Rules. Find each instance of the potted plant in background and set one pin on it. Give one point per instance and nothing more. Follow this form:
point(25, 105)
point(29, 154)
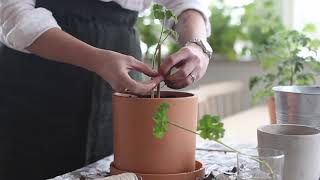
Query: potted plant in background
point(258, 23)
point(135, 149)
point(288, 58)
point(224, 34)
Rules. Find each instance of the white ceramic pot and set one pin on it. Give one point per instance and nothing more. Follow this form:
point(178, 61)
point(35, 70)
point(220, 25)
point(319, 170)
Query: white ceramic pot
point(301, 145)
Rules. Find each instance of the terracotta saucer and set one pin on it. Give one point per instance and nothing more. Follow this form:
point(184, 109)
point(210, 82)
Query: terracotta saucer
point(198, 174)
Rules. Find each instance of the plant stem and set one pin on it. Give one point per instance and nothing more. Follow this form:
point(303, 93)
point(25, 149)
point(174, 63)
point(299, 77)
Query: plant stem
point(165, 38)
point(157, 54)
point(231, 148)
point(183, 128)
point(146, 53)
point(291, 75)
point(159, 63)
point(215, 150)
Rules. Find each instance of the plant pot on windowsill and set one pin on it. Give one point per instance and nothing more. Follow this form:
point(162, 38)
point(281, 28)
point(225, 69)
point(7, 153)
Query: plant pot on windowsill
point(137, 151)
point(272, 110)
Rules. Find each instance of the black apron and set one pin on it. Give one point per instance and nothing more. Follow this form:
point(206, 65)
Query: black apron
point(55, 117)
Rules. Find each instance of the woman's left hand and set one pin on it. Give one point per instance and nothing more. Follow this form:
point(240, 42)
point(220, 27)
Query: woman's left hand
point(191, 63)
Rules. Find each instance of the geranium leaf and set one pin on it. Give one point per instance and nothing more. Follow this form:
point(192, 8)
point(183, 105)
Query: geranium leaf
point(161, 121)
point(210, 127)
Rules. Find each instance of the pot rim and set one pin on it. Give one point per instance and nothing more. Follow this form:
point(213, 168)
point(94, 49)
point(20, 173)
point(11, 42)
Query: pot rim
point(181, 96)
point(308, 90)
point(201, 168)
point(280, 154)
point(316, 130)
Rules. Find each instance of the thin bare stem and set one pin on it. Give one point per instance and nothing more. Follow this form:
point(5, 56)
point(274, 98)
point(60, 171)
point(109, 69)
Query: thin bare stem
point(159, 62)
point(165, 38)
point(156, 55)
point(183, 128)
point(231, 148)
point(215, 150)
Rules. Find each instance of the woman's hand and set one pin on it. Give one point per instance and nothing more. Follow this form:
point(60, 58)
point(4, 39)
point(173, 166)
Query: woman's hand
point(114, 68)
point(191, 63)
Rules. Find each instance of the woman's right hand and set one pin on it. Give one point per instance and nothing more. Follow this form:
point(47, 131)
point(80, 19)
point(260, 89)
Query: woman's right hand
point(114, 68)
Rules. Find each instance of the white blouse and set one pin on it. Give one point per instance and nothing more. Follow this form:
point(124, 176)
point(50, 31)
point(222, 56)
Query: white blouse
point(21, 23)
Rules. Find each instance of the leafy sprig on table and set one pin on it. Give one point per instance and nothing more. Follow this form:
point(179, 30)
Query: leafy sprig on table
point(209, 127)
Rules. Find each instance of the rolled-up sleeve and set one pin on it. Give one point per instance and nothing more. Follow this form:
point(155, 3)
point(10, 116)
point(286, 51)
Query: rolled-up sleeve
point(178, 6)
point(21, 23)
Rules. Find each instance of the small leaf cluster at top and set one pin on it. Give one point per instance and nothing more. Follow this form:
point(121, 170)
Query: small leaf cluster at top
point(161, 13)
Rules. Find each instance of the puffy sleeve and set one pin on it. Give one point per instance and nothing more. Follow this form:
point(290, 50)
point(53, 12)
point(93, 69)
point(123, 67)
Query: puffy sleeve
point(178, 6)
point(21, 23)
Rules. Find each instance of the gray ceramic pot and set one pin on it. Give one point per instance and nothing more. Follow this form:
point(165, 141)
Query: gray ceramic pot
point(301, 145)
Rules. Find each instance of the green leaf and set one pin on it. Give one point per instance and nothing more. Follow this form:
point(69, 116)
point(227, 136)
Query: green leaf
point(262, 95)
point(253, 81)
point(161, 121)
point(173, 33)
point(298, 67)
point(309, 28)
point(158, 11)
point(305, 79)
point(167, 31)
point(210, 127)
point(158, 7)
point(315, 44)
point(170, 15)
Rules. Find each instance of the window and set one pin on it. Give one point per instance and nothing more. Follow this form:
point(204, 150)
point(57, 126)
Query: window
point(297, 13)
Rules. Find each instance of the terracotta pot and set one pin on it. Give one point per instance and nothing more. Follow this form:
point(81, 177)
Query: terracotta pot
point(198, 173)
point(272, 110)
point(136, 150)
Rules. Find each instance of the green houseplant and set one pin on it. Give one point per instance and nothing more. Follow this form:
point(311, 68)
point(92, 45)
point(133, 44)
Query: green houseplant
point(223, 34)
point(150, 31)
point(135, 149)
point(287, 58)
point(258, 23)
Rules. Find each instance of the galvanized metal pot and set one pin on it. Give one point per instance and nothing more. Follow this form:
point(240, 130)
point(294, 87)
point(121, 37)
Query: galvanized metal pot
point(298, 105)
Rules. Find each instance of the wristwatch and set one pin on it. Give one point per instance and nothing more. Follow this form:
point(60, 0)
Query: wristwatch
point(204, 45)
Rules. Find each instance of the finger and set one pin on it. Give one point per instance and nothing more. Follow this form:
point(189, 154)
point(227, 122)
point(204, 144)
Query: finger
point(142, 67)
point(173, 60)
point(139, 88)
point(184, 71)
point(185, 82)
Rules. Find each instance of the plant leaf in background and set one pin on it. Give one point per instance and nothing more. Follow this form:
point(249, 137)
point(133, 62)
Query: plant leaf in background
point(161, 121)
point(223, 33)
point(309, 28)
point(288, 58)
point(258, 23)
point(210, 127)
